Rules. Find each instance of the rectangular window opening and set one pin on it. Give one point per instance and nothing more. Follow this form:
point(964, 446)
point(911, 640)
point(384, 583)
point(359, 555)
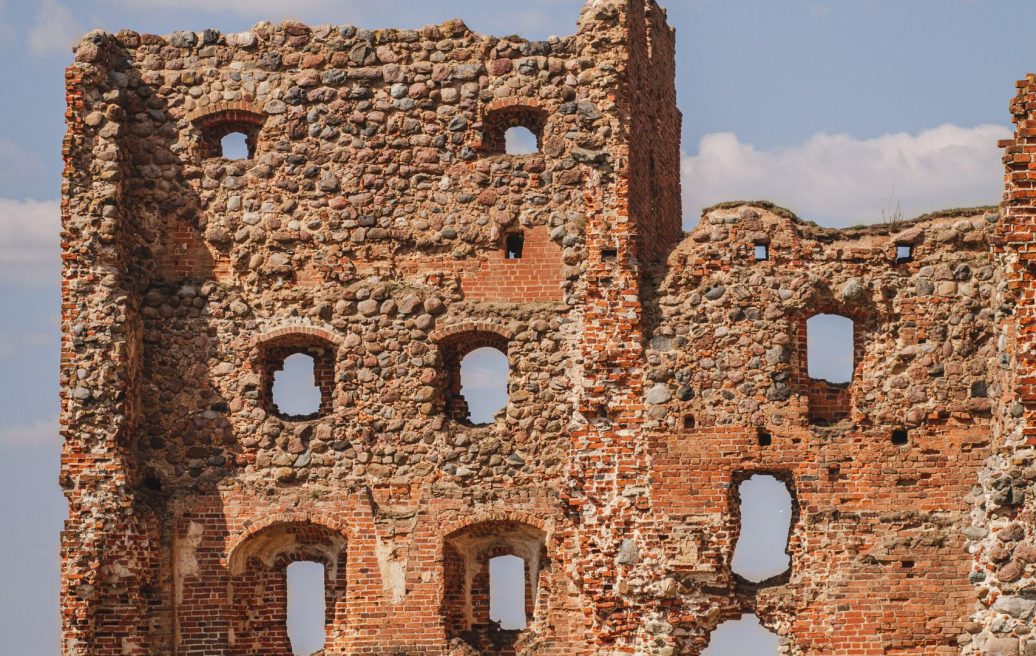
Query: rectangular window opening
point(764, 438)
point(762, 252)
point(507, 593)
point(904, 253)
point(609, 254)
point(514, 243)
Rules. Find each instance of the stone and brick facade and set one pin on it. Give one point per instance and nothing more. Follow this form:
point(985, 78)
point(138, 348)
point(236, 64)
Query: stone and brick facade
point(375, 225)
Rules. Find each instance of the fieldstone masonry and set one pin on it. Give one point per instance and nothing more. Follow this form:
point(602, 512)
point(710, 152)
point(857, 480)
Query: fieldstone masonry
point(650, 371)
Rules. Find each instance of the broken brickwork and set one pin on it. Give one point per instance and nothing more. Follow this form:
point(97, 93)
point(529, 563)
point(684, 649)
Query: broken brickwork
point(379, 225)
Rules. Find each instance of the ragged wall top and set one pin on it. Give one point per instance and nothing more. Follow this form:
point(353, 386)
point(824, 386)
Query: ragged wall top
point(377, 151)
point(728, 331)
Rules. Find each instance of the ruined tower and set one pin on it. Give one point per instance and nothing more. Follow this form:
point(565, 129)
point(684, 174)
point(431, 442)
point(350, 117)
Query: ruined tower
point(379, 226)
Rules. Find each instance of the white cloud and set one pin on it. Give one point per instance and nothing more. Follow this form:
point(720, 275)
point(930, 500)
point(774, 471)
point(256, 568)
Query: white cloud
point(837, 179)
point(42, 432)
point(29, 242)
point(55, 31)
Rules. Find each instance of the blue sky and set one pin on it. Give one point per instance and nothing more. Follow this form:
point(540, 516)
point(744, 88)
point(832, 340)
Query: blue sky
point(835, 109)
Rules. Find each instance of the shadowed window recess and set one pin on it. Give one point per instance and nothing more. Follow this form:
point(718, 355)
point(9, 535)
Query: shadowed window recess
point(514, 243)
point(476, 374)
point(297, 376)
point(515, 130)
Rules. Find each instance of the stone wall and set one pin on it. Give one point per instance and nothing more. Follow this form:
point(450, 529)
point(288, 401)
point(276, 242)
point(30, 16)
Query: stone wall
point(374, 226)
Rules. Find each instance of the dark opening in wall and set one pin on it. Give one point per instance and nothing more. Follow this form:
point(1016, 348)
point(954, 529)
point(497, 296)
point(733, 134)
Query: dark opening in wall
point(900, 437)
point(762, 252)
point(507, 592)
point(830, 344)
point(764, 504)
point(609, 254)
point(514, 243)
point(904, 253)
point(743, 637)
point(520, 140)
point(307, 624)
point(763, 437)
point(688, 422)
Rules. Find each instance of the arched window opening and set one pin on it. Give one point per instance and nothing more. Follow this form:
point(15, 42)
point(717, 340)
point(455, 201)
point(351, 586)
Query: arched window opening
point(287, 588)
point(507, 592)
point(307, 625)
point(515, 130)
point(295, 391)
point(744, 636)
point(765, 508)
point(234, 145)
point(520, 140)
point(229, 133)
point(831, 349)
point(492, 577)
point(297, 373)
point(483, 382)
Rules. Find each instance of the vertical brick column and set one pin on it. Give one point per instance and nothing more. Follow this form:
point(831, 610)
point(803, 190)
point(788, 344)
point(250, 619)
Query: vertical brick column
point(106, 545)
point(1003, 513)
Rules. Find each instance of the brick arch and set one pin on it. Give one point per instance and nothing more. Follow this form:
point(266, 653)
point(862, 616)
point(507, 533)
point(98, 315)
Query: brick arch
point(458, 330)
point(466, 549)
point(238, 111)
point(258, 563)
point(489, 516)
point(326, 526)
point(505, 113)
point(214, 122)
point(301, 331)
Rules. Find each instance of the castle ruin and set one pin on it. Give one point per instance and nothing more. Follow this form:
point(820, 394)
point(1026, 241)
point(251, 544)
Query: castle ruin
point(379, 226)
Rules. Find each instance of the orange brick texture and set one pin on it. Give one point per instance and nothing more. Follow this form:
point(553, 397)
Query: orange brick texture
point(650, 371)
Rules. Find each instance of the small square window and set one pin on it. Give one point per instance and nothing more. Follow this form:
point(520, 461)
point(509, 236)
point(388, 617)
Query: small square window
point(762, 252)
point(609, 254)
point(904, 253)
point(688, 422)
point(513, 245)
point(764, 438)
point(900, 437)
